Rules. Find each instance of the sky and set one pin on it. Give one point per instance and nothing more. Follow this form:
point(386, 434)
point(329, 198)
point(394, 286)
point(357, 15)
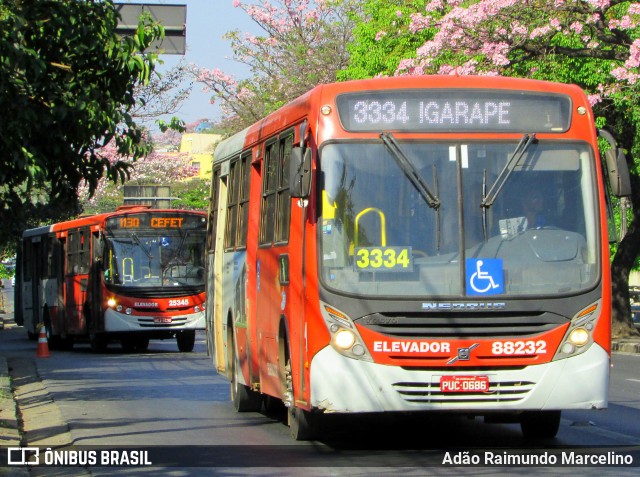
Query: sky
point(207, 22)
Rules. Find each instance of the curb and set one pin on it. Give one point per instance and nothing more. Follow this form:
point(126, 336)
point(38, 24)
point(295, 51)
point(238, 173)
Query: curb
point(9, 433)
point(623, 346)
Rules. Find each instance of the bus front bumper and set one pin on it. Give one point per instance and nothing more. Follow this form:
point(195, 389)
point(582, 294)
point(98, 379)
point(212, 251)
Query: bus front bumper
point(115, 322)
point(345, 385)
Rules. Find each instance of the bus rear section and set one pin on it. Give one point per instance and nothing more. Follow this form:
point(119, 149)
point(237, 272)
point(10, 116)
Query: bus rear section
point(447, 251)
point(129, 276)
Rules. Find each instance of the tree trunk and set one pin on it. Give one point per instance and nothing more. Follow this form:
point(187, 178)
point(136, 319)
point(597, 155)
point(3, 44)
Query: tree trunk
point(628, 250)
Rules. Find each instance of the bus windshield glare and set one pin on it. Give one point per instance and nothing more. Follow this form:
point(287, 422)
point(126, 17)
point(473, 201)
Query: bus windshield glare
point(139, 258)
point(509, 220)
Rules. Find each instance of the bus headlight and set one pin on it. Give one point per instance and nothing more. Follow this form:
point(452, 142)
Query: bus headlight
point(345, 338)
point(111, 302)
point(579, 336)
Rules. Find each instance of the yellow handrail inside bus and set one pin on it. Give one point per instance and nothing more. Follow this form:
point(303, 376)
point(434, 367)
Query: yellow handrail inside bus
point(110, 275)
point(328, 208)
point(383, 225)
point(127, 276)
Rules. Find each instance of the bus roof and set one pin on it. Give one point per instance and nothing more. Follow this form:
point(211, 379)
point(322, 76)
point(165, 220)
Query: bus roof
point(87, 221)
point(308, 104)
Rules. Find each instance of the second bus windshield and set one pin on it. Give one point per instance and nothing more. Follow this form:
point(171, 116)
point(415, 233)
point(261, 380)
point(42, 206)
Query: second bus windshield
point(382, 235)
point(148, 259)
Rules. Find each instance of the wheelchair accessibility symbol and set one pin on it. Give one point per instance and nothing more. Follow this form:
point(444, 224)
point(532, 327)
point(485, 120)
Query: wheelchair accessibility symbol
point(485, 276)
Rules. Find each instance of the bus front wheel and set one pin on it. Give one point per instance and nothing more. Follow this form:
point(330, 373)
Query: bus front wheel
point(244, 398)
point(302, 426)
point(186, 340)
point(540, 424)
point(98, 342)
point(302, 423)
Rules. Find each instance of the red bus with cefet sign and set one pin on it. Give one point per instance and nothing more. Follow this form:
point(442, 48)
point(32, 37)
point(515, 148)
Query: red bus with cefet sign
point(129, 276)
point(416, 244)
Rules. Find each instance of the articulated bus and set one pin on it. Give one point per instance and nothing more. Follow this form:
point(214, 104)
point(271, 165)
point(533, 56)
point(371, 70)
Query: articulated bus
point(131, 275)
point(416, 244)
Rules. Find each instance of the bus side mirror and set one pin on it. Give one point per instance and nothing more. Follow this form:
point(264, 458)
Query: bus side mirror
point(616, 167)
point(619, 174)
point(300, 172)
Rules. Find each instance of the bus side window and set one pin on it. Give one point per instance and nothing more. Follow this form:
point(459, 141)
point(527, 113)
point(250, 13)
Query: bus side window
point(275, 204)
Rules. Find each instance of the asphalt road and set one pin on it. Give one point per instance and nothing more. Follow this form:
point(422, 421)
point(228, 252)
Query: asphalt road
point(177, 407)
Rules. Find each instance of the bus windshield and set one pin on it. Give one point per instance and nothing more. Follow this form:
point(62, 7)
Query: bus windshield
point(507, 219)
point(147, 259)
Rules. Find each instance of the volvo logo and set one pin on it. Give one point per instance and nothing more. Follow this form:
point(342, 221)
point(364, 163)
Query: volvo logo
point(463, 306)
point(464, 354)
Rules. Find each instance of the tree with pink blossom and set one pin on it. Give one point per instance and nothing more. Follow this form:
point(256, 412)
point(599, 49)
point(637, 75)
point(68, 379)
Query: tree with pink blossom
point(592, 43)
point(157, 168)
point(302, 44)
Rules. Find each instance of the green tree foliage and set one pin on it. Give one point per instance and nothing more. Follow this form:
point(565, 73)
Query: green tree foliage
point(378, 48)
point(192, 194)
point(67, 85)
point(593, 43)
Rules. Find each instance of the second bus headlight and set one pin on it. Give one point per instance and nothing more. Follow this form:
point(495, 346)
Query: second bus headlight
point(579, 337)
point(345, 338)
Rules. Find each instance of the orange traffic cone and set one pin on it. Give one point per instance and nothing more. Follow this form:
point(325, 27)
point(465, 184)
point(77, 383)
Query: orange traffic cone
point(43, 345)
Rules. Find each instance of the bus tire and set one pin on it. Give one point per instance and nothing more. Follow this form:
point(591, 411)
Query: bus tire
point(540, 424)
point(141, 344)
point(244, 399)
point(302, 424)
point(186, 340)
point(128, 344)
point(52, 341)
point(273, 405)
point(98, 342)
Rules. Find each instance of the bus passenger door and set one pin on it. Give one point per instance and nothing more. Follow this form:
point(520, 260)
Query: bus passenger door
point(77, 279)
point(219, 317)
point(94, 320)
point(31, 285)
point(212, 228)
point(273, 291)
point(59, 263)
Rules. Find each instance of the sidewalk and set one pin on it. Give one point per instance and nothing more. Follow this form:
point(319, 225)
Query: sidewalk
point(9, 434)
point(28, 415)
point(626, 346)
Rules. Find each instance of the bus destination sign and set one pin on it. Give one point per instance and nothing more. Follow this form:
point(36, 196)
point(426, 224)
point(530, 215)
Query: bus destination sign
point(154, 221)
point(455, 110)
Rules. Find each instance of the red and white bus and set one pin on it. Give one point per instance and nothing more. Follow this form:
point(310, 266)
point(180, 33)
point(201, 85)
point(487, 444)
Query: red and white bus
point(131, 275)
point(416, 244)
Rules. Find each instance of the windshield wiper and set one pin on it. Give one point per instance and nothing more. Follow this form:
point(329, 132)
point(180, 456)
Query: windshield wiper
point(135, 238)
point(490, 197)
point(175, 257)
point(409, 170)
point(509, 167)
